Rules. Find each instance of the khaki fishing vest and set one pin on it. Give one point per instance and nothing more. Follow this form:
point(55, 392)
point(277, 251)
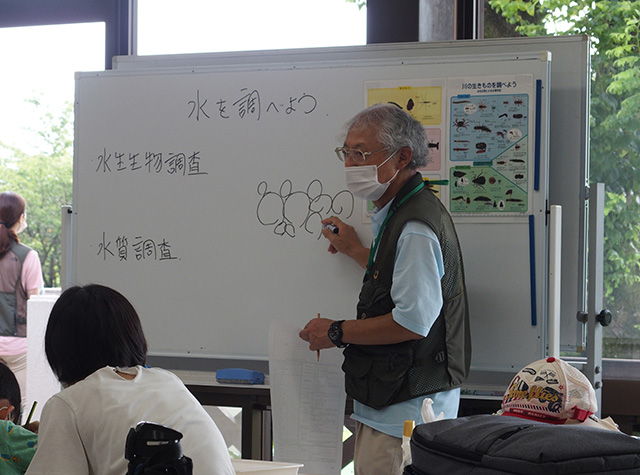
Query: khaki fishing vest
point(13, 296)
point(382, 375)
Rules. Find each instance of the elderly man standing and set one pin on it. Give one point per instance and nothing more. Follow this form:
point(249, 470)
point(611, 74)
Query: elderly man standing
point(411, 338)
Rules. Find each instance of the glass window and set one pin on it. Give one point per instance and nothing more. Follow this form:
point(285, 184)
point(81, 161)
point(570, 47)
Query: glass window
point(36, 124)
point(40, 62)
point(199, 26)
point(614, 141)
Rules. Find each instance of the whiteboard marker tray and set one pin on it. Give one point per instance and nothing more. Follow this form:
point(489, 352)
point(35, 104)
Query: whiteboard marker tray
point(259, 467)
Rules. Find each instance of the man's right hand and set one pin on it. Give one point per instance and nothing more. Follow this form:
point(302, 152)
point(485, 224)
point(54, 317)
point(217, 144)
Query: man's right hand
point(345, 241)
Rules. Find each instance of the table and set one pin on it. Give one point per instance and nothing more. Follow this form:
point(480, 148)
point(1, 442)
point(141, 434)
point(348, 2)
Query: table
point(253, 399)
point(255, 402)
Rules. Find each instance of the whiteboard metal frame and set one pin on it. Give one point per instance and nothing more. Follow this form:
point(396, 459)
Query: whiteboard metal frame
point(569, 117)
point(356, 57)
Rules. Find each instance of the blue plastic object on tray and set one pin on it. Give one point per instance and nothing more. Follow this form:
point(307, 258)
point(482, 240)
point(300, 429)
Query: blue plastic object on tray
point(239, 376)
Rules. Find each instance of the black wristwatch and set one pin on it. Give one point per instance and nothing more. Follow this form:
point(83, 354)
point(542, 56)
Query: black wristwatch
point(335, 334)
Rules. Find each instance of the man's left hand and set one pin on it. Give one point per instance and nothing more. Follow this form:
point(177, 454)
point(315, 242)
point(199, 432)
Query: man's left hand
point(315, 332)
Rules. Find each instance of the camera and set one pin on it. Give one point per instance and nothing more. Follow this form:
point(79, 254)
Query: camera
point(153, 449)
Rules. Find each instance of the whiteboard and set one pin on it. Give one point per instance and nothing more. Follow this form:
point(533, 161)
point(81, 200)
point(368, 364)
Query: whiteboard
point(568, 128)
point(198, 193)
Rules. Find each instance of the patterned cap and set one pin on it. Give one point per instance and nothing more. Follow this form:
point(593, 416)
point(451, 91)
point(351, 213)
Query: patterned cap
point(550, 390)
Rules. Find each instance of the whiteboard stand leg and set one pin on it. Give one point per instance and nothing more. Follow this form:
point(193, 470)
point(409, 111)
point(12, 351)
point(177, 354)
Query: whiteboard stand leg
point(66, 264)
point(595, 290)
point(555, 264)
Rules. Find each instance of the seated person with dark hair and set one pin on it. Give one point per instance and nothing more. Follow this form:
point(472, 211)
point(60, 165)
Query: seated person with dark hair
point(96, 347)
point(17, 444)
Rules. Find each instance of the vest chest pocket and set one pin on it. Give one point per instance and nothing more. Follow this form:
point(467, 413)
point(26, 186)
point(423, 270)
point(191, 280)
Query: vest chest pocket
point(376, 378)
point(374, 300)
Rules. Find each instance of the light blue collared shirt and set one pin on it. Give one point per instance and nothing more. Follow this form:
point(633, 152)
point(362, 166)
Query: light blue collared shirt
point(417, 296)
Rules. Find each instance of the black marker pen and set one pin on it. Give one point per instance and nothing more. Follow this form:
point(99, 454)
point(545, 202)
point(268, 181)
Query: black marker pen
point(333, 229)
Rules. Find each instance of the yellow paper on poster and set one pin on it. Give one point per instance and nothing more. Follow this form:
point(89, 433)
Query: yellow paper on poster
point(423, 103)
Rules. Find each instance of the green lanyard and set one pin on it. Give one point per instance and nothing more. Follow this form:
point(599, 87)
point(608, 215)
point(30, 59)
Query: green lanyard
point(394, 208)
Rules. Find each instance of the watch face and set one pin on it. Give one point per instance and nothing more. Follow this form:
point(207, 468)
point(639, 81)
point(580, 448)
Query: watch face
point(335, 333)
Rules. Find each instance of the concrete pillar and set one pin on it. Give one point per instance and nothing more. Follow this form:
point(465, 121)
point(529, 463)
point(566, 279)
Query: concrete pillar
point(437, 20)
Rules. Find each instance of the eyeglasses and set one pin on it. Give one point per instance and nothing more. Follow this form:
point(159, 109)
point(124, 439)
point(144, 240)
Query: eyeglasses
point(357, 156)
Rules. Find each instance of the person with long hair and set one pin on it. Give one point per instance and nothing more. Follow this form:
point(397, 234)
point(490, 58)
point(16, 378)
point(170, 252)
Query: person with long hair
point(20, 278)
point(96, 347)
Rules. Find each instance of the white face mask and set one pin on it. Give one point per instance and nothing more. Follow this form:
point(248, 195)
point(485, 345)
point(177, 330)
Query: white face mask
point(363, 181)
point(23, 224)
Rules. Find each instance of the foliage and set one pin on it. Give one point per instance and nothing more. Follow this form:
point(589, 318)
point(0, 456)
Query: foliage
point(360, 3)
point(43, 178)
point(615, 129)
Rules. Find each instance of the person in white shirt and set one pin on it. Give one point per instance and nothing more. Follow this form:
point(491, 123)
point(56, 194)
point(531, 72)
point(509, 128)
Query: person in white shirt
point(96, 347)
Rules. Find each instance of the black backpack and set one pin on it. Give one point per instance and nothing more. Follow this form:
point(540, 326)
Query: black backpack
point(490, 444)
